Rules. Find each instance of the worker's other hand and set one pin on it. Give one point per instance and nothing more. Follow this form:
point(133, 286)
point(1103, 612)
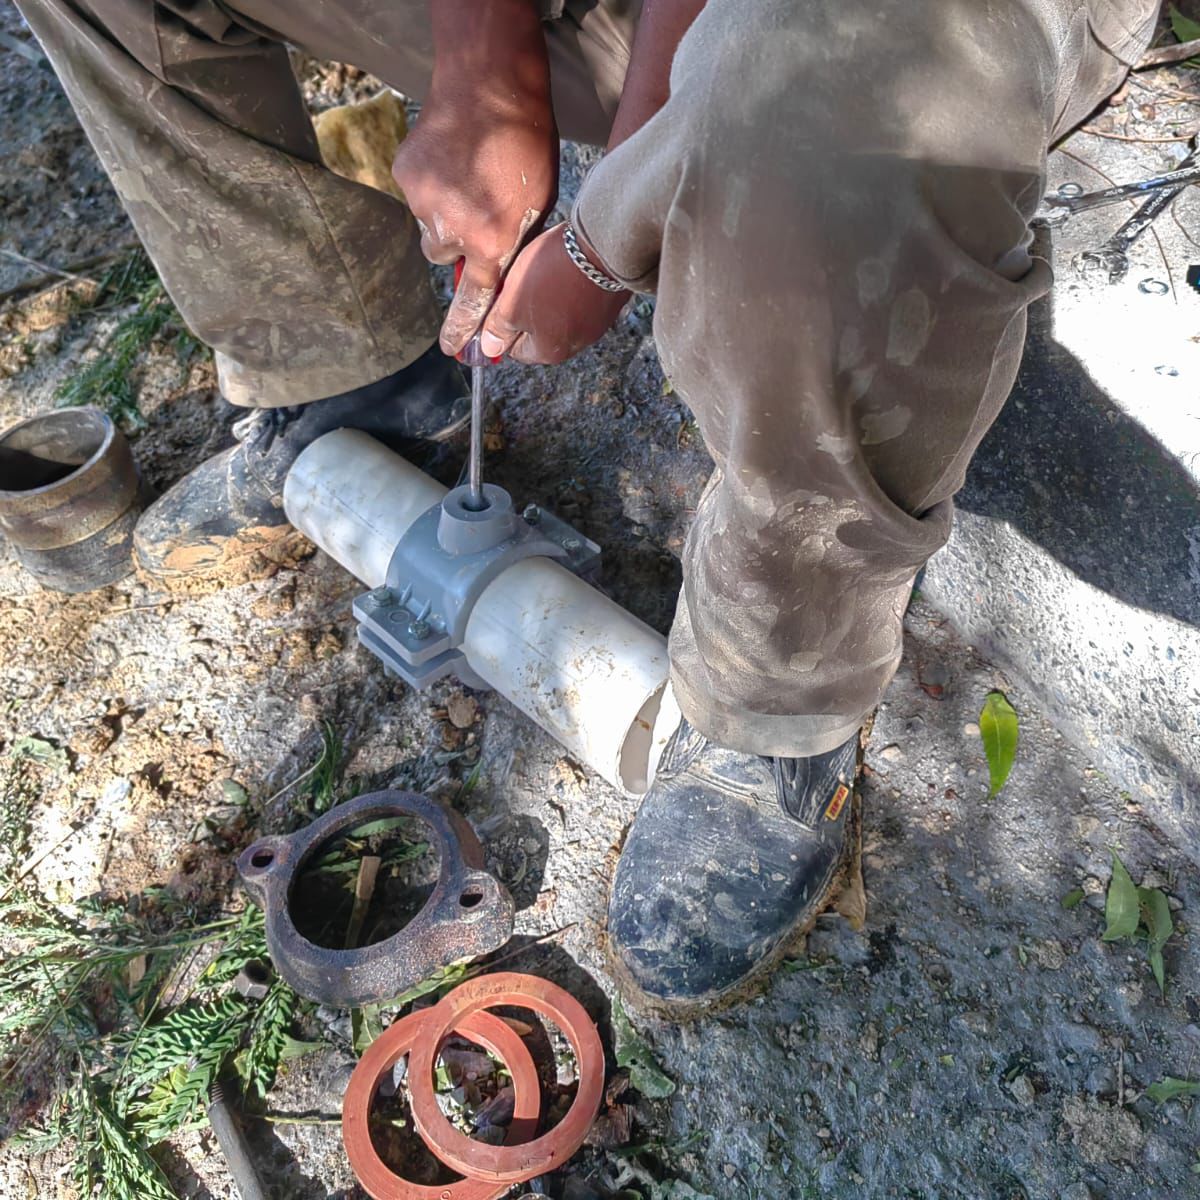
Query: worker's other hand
point(549, 310)
point(479, 171)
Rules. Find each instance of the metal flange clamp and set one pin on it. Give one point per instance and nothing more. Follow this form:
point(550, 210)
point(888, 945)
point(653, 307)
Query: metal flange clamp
point(417, 620)
point(468, 914)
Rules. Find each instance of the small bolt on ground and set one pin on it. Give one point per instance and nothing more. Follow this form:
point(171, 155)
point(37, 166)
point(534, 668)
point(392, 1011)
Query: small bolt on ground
point(254, 980)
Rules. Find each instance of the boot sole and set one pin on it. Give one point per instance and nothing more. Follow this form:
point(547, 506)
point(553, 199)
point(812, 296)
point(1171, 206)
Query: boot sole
point(755, 981)
point(230, 564)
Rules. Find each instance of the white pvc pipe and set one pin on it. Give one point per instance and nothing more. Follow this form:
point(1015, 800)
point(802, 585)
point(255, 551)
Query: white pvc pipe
point(589, 673)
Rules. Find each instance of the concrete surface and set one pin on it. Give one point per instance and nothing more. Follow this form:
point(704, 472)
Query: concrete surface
point(968, 1044)
point(1075, 559)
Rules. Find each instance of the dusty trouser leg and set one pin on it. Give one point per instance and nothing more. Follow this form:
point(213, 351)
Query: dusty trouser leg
point(589, 43)
point(305, 283)
point(833, 208)
point(839, 245)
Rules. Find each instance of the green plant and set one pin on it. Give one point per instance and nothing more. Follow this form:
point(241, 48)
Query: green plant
point(1170, 1088)
point(633, 1053)
point(107, 381)
point(325, 788)
point(1185, 30)
point(998, 729)
point(144, 1071)
point(1138, 912)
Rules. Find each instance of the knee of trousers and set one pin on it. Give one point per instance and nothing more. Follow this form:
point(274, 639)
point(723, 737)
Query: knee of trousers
point(846, 123)
point(850, 216)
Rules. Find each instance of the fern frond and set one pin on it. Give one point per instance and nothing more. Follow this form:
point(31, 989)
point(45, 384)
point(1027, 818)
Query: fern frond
point(186, 1035)
point(269, 1038)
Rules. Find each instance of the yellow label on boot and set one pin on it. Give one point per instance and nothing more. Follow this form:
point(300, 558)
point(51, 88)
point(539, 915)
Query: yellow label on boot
point(835, 805)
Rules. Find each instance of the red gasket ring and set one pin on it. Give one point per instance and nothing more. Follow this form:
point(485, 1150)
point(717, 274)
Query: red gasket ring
point(516, 1163)
point(383, 1053)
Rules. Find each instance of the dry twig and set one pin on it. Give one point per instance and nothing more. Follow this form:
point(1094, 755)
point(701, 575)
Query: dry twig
point(1168, 54)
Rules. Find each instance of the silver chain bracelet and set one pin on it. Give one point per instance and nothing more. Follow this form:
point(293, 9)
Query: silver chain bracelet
point(581, 260)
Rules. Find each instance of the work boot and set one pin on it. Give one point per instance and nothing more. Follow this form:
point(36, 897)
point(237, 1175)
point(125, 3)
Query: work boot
point(730, 859)
point(224, 522)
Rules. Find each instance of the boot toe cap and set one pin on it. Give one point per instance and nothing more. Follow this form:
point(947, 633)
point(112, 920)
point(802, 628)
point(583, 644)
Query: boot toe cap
point(668, 956)
point(207, 526)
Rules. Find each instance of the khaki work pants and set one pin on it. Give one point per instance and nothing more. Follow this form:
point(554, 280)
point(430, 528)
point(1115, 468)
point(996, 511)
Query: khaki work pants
point(832, 210)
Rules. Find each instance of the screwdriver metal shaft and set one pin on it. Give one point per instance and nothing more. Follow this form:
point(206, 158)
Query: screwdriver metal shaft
point(475, 470)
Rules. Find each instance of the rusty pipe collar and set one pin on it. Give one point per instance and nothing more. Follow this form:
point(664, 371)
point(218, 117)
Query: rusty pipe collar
point(69, 498)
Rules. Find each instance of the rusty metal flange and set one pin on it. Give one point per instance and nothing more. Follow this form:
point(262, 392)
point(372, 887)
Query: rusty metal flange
point(468, 914)
point(506, 1164)
point(384, 1052)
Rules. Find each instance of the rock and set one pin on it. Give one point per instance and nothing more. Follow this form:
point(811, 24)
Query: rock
point(1049, 954)
point(1131, 993)
point(1077, 1191)
point(891, 753)
point(1022, 1090)
point(975, 1021)
point(462, 710)
point(869, 1041)
point(1102, 1132)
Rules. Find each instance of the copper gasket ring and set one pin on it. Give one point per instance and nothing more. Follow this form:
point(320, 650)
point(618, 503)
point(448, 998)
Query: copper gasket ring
point(398, 1040)
point(514, 1163)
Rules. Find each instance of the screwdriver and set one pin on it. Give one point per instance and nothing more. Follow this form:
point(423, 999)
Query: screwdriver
point(472, 355)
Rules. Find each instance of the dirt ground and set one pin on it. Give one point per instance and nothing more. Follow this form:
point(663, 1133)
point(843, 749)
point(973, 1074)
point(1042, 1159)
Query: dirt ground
point(974, 1040)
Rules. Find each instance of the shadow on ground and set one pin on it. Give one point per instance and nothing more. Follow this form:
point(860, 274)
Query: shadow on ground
point(1074, 473)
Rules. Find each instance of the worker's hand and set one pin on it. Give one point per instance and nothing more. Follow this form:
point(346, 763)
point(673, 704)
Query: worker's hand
point(549, 310)
point(480, 170)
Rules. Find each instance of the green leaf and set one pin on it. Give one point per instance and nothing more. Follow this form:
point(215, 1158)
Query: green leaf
point(366, 1025)
point(294, 1048)
point(1072, 899)
point(998, 729)
point(1184, 28)
point(233, 792)
point(636, 1056)
point(269, 1037)
point(444, 979)
point(1160, 971)
point(38, 750)
point(1170, 1088)
point(1156, 913)
point(1156, 916)
point(1122, 911)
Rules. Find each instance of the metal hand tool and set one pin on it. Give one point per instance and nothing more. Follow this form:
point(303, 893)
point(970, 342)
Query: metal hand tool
point(1074, 202)
point(1112, 258)
point(472, 355)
